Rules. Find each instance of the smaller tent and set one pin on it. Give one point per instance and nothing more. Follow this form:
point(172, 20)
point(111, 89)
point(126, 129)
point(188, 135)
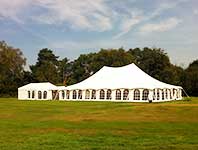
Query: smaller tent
point(40, 91)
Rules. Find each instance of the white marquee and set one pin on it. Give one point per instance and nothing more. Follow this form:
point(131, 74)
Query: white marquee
point(127, 84)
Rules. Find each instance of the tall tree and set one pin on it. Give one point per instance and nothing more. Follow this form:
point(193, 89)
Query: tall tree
point(12, 64)
point(88, 64)
point(46, 68)
point(191, 78)
point(64, 70)
point(153, 61)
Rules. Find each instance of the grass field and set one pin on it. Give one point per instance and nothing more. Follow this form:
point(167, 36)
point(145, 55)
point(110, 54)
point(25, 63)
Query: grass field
point(56, 125)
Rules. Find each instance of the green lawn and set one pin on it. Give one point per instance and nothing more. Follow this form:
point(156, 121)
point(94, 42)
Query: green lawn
point(56, 125)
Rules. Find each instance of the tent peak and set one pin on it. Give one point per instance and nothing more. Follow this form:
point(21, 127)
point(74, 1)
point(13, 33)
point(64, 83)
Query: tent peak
point(132, 64)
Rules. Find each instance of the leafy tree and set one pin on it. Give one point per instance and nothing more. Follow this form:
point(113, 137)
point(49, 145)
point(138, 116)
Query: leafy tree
point(153, 61)
point(80, 68)
point(111, 57)
point(12, 64)
point(88, 64)
point(191, 78)
point(46, 68)
point(64, 70)
point(27, 77)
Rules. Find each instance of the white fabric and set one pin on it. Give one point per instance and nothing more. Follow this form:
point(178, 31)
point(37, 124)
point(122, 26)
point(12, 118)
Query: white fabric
point(126, 77)
point(39, 86)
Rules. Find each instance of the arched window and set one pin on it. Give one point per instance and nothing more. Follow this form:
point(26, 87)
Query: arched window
point(166, 94)
point(45, 95)
point(33, 94)
point(163, 94)
point(154, 94)
point(145, 94)
point(67, 94)
point(87, 94)
point(118, 94)
point(39, 95)
point(136, 94)
point(28, 94)
point(63, 94)
point(80, 94)
point(174, 93)
point(93, 94)
point(102, 94)
point(108, 94)
point(125, 94)
point(158, 94)
point(171, 96)
point(178, 91)
point(74, 94)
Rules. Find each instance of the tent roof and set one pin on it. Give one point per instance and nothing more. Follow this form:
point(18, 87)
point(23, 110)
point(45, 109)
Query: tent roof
point(39, 86)
point(129, 77)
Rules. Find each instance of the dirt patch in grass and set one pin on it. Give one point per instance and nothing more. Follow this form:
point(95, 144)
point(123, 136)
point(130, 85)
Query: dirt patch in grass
point(152, 113)
point(60, 130)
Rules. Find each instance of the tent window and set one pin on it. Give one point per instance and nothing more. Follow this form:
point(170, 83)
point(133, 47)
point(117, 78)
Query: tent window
point(28, 94)
point(67, 94)
point(158, 94)
point(145, 94)
point(74, 94)
point(63, 94)
point(39, 95)
point(154, 94)
point(166, 94)
point(102, 94)
point(163, 95)
point(170, 93)
point(32, 94)
point(125, 94)
point(93, 94)
point(174, 92)
point(178, 93)
point(80, 94)
point(108, 94)
point(136, 94)
point(118, 95)
point(87, 94)
point(45, 95)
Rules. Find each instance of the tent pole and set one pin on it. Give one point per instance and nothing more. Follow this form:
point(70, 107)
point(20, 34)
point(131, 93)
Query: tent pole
point(56, 95)
point(185, 92)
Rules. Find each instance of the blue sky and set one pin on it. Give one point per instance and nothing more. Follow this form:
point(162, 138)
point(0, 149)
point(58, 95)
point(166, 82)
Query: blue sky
point(74, 27)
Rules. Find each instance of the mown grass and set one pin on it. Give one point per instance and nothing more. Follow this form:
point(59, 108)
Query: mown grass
point(43, 125)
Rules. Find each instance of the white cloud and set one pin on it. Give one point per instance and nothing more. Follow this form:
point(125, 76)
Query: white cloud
point(11, 9)
point(91, 15)
point(195, 12)
point(137, 18)
point(129, 22)
point(161, 26)
point(86, 14)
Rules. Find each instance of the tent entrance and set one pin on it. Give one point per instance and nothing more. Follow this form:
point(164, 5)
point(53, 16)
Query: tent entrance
point(55, 95)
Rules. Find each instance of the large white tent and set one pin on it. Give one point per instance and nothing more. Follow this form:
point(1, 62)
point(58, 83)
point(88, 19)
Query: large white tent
point(127, 83)
point(37, 91)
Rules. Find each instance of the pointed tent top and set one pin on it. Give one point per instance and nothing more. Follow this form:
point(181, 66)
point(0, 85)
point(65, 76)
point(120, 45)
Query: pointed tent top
point(129, 65)
point(129, 77)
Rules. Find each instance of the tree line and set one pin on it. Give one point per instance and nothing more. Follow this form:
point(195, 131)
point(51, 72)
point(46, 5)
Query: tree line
point(50, 68)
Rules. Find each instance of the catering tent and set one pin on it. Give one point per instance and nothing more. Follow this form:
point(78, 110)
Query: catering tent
point(37, 91)
point(126, 83)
